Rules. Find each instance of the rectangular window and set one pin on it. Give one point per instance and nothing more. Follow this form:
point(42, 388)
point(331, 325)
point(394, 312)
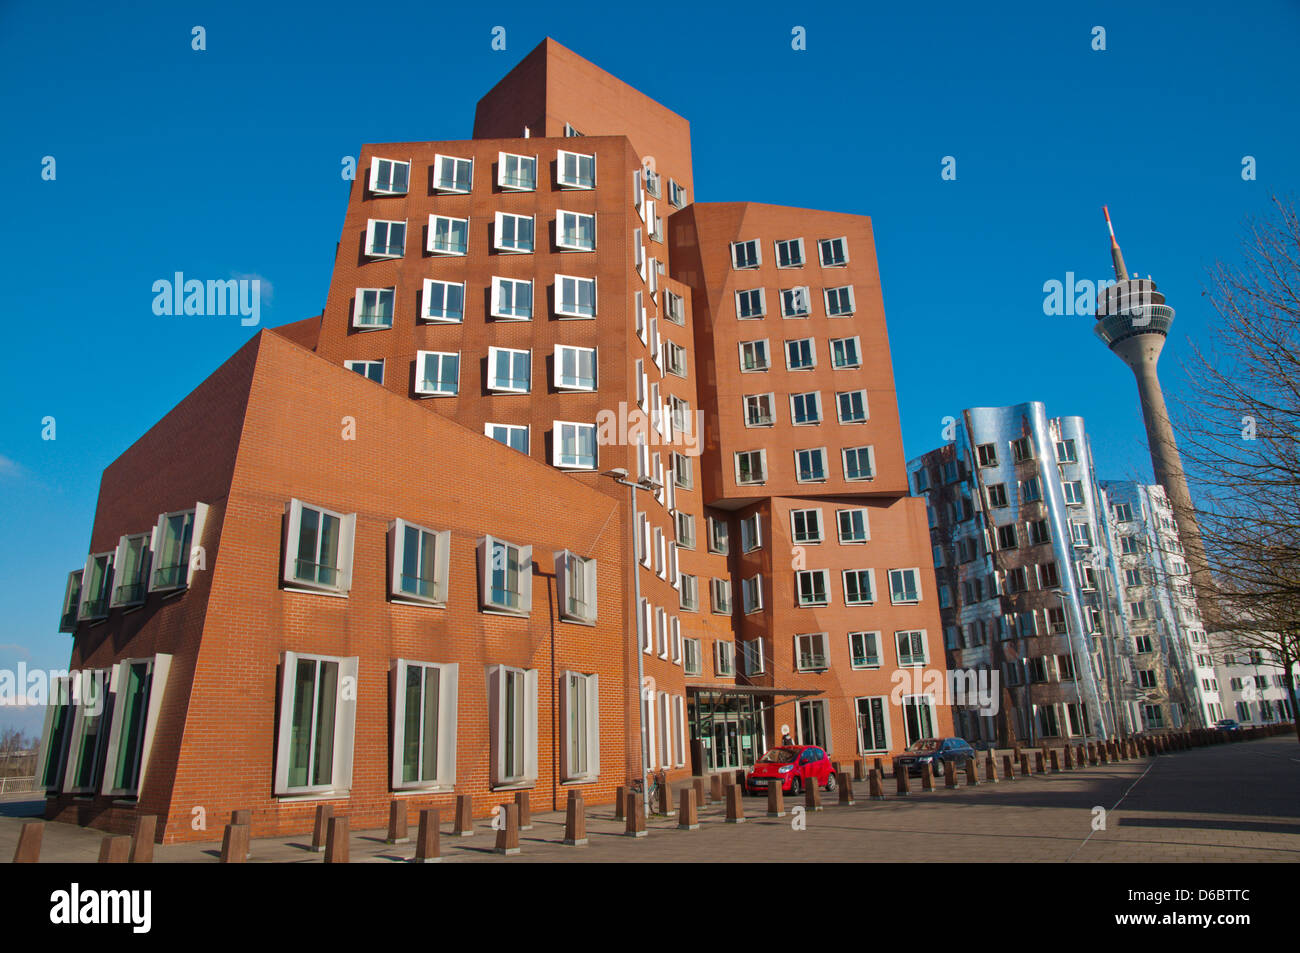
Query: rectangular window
point(810, 465)
point(839, 301)
point(853, 526)
point(505, 573)
point(911, 647)
point(575, 231)
point(675, 308)
point(800, 354)
point(90, 728)
point(318, 556)
point(789, 253)
point(806, 525)
point(516, 173)
point(130, 571)
point(1065, 452)
point(675, 359)
point(815, 723)
point(813, 587)
point(852, 406)
point(750, 303)
point(1007, 538)
point(751, 467)
point(997, 493)
point(751, 533)
point(452, 174)
point(174, 538)
point(746, 254)
point(685, 530)
point(689, 593)
point(1123, 512)
point(987, 454)
point(385, 239)
point(1073, 492)
point(1022, 450)
point(512, 299)
point(574, 445)
point(751, 592)
point(514, 436)
point(752, 660)
point(512, 712)
point(724, 658)
point(437, 373)
point(718, 536)
point(574, 170)
point(371, 370)
point(424, 725)
point(419, 560)
point(448, 236)
point(873, 724)
point(859, 463)
point(845, 352)
point(1039, 532)
point(653, 183)
point(575, 579)
point(810, 652)
point(137, 687)
point(758, 410)
point(795, 303)
point(676, 194)
point(71, 602)
point(580, 705)
point(720, 595)
point(513, 233)
point(864, 649)
point(317, 718)
point(389, 176)
point(575, 297)
point(509, 371)
point(859, 587)
point(904, 586)
point(444, 301)
point(806, 408)
point(692, 659)
point(373, 308)
point(575, 368)
point(753, 356)
point(683, 472)
point(834, 252)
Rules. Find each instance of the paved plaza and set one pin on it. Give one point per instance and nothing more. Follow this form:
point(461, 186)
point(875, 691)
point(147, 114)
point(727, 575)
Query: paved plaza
point(1238, 802)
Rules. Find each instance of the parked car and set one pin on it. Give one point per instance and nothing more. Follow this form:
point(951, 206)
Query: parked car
point(795, 766)
point(934, 752)
point(1227, 724)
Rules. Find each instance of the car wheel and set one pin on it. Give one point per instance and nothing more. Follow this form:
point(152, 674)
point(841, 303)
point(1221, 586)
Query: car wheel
point(796, 787)
point(830, 781)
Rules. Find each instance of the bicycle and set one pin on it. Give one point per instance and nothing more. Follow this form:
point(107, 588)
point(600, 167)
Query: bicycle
point(657, 780)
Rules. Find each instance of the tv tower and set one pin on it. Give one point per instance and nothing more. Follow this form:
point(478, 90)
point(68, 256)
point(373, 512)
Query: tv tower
point(1133, 320)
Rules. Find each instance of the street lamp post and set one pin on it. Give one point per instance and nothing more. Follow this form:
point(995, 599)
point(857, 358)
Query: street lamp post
point(619, 475)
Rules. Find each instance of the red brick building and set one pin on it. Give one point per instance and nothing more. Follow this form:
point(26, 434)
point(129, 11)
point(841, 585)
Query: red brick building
point(377, 554)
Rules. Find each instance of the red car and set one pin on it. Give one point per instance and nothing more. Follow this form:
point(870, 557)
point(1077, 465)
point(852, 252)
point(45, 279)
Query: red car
point(795, 766)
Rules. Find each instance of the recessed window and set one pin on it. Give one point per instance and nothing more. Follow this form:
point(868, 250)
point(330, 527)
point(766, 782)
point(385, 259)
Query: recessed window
point(834, 252)
point(1022, 450)
point(810, 465)
point(720, 595)
point(752, 594)
point(389, 176)
point(750, 303)
point(575, 578)
point(505, 576)
point(751, 533)
point(653, 183)
point(692, 657)
point(1065, 452)
point(574, 170)
point(751, 467)
point(852, 406)
point(795, 303)
point(372, 308)
point(437, 373)
point(911, 647)
point(810, 652)
point(806, 525)
point(580, 703)
point(509, 371)
point(1039, 532)
point(512, 299)
point(987, 454)
point(864, 649)
point(689, 591)
point(1073, 492)
point(385, 239)
point(997, 493)
point(839, 301)
point(516, 173)
point(800, 354)
point(512, 716)
point(575, 297)
point(97, 586)
point(754, 356)
point(683, 471)
point(575, 231)
point(130, 571)
point(789, 253)
point(674, 359)
point(1031, 491)
point(514, 233)
point(514, 436)
point(746, 254)
point(452, 174)
point(424, 725)
point(419, 560)
point(575, 368)
point(718, 536)
point(724, 658)
point(675, 308)
point(1007, 538)
point(813, 587)
point(444, 301)
point(371, 370)
point(175, 539)
point(1123, 512)
point(859, 463)
point(759, 410)
point(317, 718)
point(845, 352)
point(139, 686)
point(318, 553)
point(904, 586)
point(859, 587)
point(806, 408)
point(574, 446)
point(71, 602)
point(448, 236)
point(676, 194)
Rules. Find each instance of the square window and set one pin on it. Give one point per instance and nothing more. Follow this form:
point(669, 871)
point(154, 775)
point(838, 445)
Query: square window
point(988, 454)
point(317, 718)
point(839, 301)
point(853, 526)
point(372, 308)
point(448, 236)
point(806, 525)
point(318, 554)
point(859, 587)
point(852, 406)
point(864, 649)
point(509, 371)
point(806, 408)
point(789, 253)
point(754, 356)
point(810, 652)
point(800, 354)
point(514, 233)
point(575, 297)
point(859, 463)
point(759, 410)
point(437, 373)
point(1065, 452)
point(424, 725)
point(795, 303)
point(505, 576)
point(904, 586)
point(512, 435)
point(419, 560)
point(389, 176)
point(810, 465)
point(512, 299)
point(174, 538)
point(371, 370)
point(444, 301)
point(834, 252)
point(516, 173)
point(746, 254)
point(1022, 450)
point(997, 495)
point(573, 170)
point(574, 445)
point(575, 368)
point(750, 303)
point(452, 174)
point(751, 467)
point(575, 231)
point(385, 239)
point(911, 647)
point(813, 587)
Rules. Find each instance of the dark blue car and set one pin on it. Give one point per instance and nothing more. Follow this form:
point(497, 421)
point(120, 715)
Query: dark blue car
point(934, 752)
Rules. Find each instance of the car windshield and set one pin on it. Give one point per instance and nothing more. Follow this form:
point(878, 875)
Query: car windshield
point(925, 744)
point(779, 756)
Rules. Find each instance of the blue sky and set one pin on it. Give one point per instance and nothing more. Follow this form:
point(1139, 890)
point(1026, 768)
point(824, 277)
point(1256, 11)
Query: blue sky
point(226, 162)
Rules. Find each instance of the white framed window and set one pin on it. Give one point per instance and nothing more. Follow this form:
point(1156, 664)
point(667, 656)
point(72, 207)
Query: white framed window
point(834, 252)
point(1065, 452)
point(576, 231)
point(692, 657)
point(574, 445)
point(372, 308)
point(806, 526)
point(389, 176)
point(718, 536)
point(661, 552)
point(859, 587)
point(919, 719)
point(512, 713)
point(789, 253)
point(444, 301)
point(987, 454)
point(851, 406)
point(800, 354)
point(514, 436)
point(689, 593)
point(904, 586)
point(516, 173)
point(676, 194)
point(751, 532)
point(720, 596)
point(873, 723)
point(645, 626)
point(318, 712)
point(724, 658)
point(839, 301)
point(137, 687)
point(385, 239)
point(795, 302)
point(751, 467)
point(675, 359)
point(510, 371)
point(911, 647)
point(754, 356)
point(864, 650)
point(447, 235)
point(661, 631)
point(813, 587)
point(86, 741)
point(746, 254)
point(759, 410)
point(806, 408)
point(810, 465)
point(513, 233)
point(845, 352)
point(751, 593)
point(859, 462)
point(437, 373)
point(675, 637)
point(371, 370)
point(683, 471)
point(452, 174)
point(424, 724)
point(318, 551)
point(640, 316)
point(653, 182)
point(573, 170)
point(752, 657)
point(419, 558)
point(751, 303)
point(575, 297)
point(1073, 492)
point(130, 571)
point(175, 542)
point(71, 602)
point(575, 368)
point(811, 652)
point(569, 131)
point(512, 299)
point(505, 576)
point(685, 529)
point(580, 704)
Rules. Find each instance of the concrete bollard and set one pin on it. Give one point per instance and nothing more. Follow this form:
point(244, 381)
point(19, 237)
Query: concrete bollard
point(949, 775)
point(28, 850)
point(845, 784)
point(735, 806)
point(146, 827)
point(575, 821)
point(665, 796)
point(464, 823)
point(927, 777)
point(1054, 758)
point(620, 800)
point(428, 838)
point(524, 802)
point(689, 815)
point(990, 767)
point(507, 829)
point(972, 772)
point(775, 799)
point(812, 795)
point(399, 831)
point(634, 812)
point(338, 846)
point(1024, 766)
point(877, 788)
point(715, 788)
point(903, 779)
point(323, 814)
point(1008, 770)
point(234, 844)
